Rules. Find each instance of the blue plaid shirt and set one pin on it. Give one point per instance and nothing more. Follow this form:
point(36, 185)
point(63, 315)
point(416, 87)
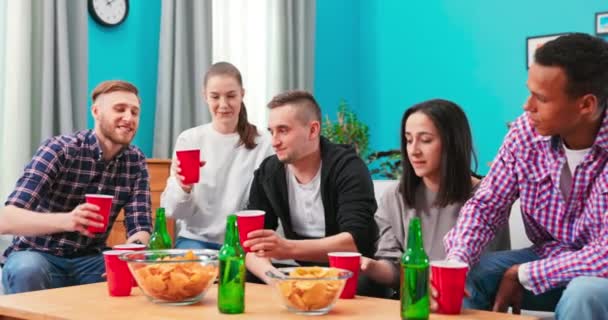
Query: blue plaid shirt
point(62, 171)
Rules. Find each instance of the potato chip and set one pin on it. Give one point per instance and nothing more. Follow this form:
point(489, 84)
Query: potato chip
point(175, 281)
point(304, 285)
point(313, 294)
point(297, 302)
point(315, 297)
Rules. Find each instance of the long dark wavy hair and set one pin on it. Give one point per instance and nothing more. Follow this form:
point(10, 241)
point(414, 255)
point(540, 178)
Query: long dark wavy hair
point(456, 153)
point(247, 131)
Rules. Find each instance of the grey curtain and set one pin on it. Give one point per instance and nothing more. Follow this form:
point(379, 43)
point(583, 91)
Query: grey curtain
point(298, 21)
point(59, 74)
point(3, 23)
point(5, 240)
point(44, 78)
point(185, 53)
point(184, 56)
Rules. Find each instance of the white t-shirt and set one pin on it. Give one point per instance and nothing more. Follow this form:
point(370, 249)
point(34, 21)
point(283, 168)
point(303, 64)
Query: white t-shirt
point(224, 182)
point(573, 159)
point(306, 205)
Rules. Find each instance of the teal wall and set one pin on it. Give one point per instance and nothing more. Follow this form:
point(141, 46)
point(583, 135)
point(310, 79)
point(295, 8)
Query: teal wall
point(471, 52)
point(337, 49)
point(382, 57)
point(129, 52)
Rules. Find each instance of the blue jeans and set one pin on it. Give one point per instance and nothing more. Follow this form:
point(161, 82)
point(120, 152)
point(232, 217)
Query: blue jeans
point(582, 298)
point(185, 243)
point(32, 270)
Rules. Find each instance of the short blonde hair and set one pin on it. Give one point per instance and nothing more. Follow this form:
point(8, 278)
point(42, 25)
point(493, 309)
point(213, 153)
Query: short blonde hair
point(113, 86)
point(307, 107)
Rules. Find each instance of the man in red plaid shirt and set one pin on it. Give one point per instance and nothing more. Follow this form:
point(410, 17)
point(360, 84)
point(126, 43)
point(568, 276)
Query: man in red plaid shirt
point(555, 160)
point(47, 212)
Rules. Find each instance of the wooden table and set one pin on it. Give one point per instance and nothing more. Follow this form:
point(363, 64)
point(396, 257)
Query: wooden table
point(93, 302)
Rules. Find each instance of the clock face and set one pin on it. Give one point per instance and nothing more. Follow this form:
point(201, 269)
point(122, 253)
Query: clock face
point(109, 12)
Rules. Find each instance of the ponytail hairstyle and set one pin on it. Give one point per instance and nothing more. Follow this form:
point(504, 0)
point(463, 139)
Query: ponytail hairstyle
point(247, 131)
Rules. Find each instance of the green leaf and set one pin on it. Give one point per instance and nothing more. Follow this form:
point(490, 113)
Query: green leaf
point(348, 129)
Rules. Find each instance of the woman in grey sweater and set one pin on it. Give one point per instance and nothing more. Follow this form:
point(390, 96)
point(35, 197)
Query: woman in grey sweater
point(436, 153)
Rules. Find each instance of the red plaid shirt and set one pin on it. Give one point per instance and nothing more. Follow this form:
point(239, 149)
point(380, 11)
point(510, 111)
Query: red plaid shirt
point(62, 171)
point(570, 235)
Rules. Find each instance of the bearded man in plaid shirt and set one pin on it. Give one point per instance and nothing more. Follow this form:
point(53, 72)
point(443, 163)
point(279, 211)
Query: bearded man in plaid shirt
point(555, 160)
point(47, 212)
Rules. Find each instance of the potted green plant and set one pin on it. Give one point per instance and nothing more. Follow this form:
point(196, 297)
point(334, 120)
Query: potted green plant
point(385, 164)
point(348, 129)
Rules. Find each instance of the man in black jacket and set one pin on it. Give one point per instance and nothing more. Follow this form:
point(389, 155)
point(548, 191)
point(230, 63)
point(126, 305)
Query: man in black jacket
point(321, 192)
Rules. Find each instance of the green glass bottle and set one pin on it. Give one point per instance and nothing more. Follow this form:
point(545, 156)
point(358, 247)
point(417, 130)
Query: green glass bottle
point(415, 276)
point(231, 291)
point(160, 238)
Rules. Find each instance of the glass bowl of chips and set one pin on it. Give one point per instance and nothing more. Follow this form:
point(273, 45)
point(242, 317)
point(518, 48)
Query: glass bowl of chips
point(174, 276)
point(309, 290)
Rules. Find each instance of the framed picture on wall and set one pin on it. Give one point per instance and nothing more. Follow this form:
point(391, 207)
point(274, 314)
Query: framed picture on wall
point(535, 42)
point(601, 23)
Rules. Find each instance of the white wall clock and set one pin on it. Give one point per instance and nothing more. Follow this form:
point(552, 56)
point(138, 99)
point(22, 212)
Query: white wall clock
point(109, 12)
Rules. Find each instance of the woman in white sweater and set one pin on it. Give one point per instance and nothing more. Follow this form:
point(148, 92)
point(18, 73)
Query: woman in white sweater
point(231, 149)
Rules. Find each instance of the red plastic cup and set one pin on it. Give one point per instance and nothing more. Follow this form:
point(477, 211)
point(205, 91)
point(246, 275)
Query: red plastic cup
point(190, 163)
point(130, 247)
point(448, 278)
point(104, 202)
point(247, 221)
point(350, 261)
point(119, 277)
